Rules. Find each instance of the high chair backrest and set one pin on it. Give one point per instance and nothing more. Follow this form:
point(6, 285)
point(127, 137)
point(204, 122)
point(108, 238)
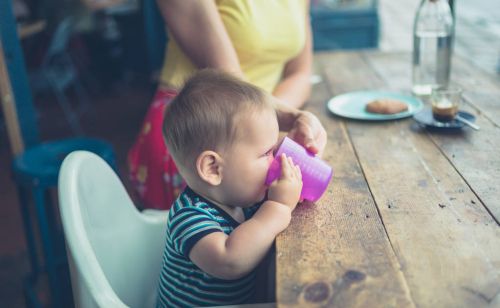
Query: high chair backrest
point(114, 251)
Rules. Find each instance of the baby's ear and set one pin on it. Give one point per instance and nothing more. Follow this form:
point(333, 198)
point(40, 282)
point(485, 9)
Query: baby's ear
point(209, 167)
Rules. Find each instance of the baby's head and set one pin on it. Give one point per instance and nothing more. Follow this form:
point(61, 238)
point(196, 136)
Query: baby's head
point(221, 132)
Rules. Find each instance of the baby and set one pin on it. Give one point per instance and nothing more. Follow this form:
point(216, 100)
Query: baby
point(222, 132)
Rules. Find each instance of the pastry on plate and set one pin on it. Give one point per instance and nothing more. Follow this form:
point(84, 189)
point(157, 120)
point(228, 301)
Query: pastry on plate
point(386, 106)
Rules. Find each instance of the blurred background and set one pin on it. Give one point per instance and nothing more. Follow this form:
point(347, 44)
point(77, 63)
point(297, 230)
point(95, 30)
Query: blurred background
point(102, 59)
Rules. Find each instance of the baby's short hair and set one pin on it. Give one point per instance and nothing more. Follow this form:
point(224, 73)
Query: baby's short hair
point(203, 116)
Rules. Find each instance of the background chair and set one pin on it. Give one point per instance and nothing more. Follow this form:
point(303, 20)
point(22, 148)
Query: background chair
point(58, 73)
point(114, 251)
point(35, 167)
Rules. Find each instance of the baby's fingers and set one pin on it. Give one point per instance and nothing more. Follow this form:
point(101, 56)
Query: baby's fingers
point(298, 172)
point(293, 167)
point(286, 167)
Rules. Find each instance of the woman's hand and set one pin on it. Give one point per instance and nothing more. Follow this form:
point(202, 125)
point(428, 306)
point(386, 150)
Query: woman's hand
point(308, 131)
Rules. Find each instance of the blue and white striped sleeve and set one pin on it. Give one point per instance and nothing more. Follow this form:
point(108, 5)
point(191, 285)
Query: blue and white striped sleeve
point(188, 226)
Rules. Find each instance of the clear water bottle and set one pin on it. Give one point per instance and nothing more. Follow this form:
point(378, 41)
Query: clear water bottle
point(432, 46)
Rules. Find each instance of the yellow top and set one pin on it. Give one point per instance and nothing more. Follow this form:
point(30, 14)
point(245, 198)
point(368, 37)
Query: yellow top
point(265, 33)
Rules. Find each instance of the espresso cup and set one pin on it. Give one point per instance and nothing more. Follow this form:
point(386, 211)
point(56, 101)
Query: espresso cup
point(445, 103)
point(316, 173)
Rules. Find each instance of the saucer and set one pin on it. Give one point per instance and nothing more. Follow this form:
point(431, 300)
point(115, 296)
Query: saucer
point(425, 118)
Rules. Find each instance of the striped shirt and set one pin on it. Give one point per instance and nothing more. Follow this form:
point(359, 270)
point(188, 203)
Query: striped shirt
point(182, 283)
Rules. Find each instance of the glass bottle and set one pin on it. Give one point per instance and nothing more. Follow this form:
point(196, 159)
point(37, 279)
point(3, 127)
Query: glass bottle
point(432, 46)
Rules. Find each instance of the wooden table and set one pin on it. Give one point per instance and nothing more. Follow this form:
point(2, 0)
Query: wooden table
point(411, 216)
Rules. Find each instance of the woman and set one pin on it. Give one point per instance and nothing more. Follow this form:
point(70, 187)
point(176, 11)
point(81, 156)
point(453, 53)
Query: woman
point(267, 43)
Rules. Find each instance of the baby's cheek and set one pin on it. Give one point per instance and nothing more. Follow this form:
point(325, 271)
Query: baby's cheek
point(268, 166)
point(270, 159)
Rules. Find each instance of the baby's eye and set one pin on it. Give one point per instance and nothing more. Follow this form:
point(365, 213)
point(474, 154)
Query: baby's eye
point(269, 153)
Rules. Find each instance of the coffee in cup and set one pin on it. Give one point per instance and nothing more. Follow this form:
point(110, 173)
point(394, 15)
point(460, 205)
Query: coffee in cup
point(444, 112)
point(445, 102)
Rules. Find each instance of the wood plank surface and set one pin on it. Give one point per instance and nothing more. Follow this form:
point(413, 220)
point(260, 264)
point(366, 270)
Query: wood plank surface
point(477, 30)
point(443, 236)
point(474, 154)
point(335, 253)
point(482, 90)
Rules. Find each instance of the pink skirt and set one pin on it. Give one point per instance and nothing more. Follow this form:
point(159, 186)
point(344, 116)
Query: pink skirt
point(152, 170)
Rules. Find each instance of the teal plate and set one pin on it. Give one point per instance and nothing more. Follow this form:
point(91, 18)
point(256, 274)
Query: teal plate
point(352, 105)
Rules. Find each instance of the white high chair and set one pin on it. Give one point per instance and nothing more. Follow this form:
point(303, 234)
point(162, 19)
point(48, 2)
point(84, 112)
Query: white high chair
point(114, 251)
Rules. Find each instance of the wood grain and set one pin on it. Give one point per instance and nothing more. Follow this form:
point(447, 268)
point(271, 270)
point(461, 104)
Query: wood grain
point(481, 89)
point(475, 155)
point(336, 252)
point(444, 238)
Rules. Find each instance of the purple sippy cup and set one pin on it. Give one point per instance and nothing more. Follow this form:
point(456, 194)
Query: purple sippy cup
point(316, 173)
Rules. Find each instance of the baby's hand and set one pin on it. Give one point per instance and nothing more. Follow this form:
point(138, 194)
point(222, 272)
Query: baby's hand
point(287, 188)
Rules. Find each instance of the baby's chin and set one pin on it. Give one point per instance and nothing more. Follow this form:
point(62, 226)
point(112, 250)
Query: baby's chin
point(258, 199)
point(262, 197)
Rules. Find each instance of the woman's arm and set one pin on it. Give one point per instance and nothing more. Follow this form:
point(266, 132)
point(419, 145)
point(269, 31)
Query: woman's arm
point(198, 29)
point(295, 87)
point(292, 92)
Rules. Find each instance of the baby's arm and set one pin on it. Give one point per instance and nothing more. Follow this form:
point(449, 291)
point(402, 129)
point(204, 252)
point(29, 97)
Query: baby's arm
point(233, 256)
